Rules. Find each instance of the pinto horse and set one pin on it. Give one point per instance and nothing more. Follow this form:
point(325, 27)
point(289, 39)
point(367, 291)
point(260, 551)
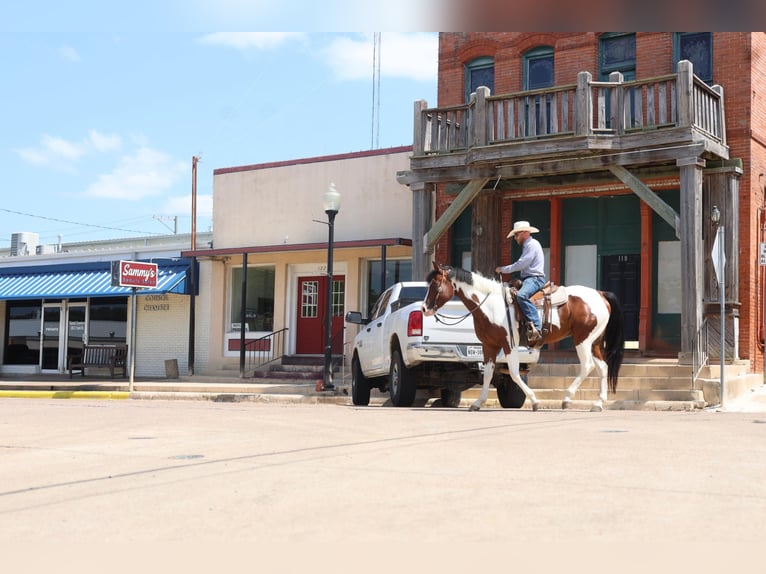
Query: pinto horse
point(592, 318)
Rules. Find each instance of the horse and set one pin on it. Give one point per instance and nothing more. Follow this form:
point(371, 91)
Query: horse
point(593, 319)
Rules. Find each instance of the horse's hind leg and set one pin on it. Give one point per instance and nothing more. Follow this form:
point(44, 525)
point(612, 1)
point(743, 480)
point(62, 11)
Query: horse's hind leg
point(602, 369)
point(586, 365)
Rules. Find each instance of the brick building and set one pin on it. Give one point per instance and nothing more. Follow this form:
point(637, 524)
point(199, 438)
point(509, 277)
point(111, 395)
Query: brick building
point(617, 146)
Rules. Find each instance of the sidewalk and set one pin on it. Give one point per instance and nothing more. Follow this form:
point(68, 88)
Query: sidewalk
point(233, 389)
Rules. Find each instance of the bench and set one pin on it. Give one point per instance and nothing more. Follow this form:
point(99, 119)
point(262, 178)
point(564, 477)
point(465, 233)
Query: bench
point(110, 357)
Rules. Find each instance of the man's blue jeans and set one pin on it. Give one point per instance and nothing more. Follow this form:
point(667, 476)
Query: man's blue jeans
point(528, 288)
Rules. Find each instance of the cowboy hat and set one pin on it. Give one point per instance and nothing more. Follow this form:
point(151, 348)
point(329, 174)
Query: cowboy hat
point(522, 226)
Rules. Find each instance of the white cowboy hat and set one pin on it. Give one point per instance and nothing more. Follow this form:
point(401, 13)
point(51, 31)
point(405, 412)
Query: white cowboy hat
point(522, 226)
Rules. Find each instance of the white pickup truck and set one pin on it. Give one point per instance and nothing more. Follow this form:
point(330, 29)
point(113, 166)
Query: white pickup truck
point(399, 350)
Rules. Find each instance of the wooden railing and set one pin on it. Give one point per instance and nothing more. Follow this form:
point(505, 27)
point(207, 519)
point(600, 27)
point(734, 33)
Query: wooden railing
point(588, 108)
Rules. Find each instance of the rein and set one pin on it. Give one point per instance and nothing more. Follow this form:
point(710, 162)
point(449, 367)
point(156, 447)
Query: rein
point(461, 319)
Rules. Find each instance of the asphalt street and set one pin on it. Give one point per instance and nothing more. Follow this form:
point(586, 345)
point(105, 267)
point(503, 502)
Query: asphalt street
point(116, 472)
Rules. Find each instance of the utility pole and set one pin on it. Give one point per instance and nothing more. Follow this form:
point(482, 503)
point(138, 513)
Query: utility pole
point(193, 266)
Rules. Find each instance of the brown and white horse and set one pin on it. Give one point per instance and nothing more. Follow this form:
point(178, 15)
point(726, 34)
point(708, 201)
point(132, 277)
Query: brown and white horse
point(592, 318)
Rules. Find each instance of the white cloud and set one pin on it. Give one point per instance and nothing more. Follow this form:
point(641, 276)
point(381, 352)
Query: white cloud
point(414, 56)
point(145, 174)
point(69, 54)
point(59, 147)
point(104, 142)
point(246, 40)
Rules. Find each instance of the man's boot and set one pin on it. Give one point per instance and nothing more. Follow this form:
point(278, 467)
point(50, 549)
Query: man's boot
point(533, 335)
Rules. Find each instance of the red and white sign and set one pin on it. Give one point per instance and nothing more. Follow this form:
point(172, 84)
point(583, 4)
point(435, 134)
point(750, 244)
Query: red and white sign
point(135, 274)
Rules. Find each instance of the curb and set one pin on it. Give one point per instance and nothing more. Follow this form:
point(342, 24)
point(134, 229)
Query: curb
point(21, 394)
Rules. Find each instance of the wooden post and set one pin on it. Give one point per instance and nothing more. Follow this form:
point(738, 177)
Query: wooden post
point(617, 113)
point(422, 206)
point(685, 84)
point(420, 130)
point(479, 123)
point(691, 252)
point(583, 104)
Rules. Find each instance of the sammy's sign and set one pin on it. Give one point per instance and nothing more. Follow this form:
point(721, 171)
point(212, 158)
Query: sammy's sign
point(134, 274)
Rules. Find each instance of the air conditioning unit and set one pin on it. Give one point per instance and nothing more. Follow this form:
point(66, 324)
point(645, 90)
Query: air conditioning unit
point(24, 243)
point(47, 249)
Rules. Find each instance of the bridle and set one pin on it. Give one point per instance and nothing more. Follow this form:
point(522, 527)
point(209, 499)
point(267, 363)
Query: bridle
point(440, 317)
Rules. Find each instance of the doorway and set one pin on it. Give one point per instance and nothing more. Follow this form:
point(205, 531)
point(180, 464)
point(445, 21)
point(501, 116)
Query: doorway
point(311, 312)
point(621, 274)
point(62, 334)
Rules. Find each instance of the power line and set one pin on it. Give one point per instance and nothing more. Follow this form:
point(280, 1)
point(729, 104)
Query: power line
point(74, 222)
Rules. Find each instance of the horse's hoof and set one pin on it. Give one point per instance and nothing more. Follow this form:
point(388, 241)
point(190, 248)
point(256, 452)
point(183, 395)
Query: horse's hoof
point(566, 404)
point(596, 409)
point(474, 407)
point(536, 406)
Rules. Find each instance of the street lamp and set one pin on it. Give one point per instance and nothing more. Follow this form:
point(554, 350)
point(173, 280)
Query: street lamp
point(331, 204)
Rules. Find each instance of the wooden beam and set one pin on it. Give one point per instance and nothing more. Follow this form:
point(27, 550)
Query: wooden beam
point(652, 199)
point(462, 200)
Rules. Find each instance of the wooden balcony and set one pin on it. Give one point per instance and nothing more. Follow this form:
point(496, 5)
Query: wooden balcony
point(575, 128)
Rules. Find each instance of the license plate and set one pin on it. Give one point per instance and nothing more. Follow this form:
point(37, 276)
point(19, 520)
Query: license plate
point(474, 351)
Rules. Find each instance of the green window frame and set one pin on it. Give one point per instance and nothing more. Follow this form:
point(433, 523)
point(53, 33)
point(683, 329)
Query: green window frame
point(479, 72)
point(697, 47)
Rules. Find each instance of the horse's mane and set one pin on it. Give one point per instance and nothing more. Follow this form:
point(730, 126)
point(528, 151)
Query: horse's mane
point(477, 280)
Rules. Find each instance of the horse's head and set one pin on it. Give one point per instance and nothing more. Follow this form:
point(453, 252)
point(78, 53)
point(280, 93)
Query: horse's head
point(440, 289)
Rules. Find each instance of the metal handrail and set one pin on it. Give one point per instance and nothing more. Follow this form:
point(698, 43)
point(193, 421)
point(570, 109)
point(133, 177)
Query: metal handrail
point(700, 355)
point(265, 350)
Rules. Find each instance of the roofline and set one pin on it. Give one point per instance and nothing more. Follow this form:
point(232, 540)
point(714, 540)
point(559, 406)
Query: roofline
point(317, 159)
point(355, 244)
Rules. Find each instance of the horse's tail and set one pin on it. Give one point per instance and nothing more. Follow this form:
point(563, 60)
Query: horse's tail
point(614, 339)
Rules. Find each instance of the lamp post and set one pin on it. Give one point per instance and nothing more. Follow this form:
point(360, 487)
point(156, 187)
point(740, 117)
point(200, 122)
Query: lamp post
point(719, 262)
point(331, 204)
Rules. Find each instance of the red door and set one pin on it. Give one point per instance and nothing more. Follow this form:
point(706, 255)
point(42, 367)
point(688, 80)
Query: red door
point(312, 304)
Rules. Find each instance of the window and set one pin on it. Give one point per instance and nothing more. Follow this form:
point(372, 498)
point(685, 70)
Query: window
point(259, 306)
point(479, 72)
point(23, 332)
point(617, 53)
point(108, 320)
point(538, 68)
point(538, 73)
point(395, 272)
point(697, 47)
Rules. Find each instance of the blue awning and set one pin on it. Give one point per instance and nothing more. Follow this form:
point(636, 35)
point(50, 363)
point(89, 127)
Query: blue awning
point(67, 281)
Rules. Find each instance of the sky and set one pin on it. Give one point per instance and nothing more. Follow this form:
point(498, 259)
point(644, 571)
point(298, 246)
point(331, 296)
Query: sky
point(98, 128)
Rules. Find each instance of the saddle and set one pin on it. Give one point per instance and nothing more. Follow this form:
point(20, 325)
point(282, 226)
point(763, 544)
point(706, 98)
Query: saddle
point(549, 297)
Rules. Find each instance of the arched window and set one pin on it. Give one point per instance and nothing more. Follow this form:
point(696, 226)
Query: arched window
point(697, 47)
point(538, 68)
point(617, 53)
point(479, 72)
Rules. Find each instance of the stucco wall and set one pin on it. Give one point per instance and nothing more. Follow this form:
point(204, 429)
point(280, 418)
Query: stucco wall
point(277, 204)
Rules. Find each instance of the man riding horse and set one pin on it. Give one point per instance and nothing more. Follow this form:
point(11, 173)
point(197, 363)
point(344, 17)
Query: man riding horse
point(531, 266)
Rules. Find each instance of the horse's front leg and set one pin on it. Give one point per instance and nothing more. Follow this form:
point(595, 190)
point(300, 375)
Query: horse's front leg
point(489, 369)
point(513, 369)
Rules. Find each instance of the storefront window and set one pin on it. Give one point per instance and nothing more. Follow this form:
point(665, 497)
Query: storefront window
point(23, 329)
point(108, 321)
point(396, 271)
point(259, 309)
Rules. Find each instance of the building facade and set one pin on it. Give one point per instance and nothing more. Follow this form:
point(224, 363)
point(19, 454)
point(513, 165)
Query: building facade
point(617, 146)
point(269, 219)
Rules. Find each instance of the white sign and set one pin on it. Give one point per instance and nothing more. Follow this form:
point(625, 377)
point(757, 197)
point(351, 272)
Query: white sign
point(719, 256)
point(762, 258)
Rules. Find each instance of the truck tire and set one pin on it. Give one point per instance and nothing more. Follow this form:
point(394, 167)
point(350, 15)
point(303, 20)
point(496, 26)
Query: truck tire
point(509, 394)
point(360, 386)
point(401, 382)
point(450, 398)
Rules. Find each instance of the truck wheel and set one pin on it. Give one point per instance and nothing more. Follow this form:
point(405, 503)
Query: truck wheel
point(450, 398)
point(360, 386)
point(509, 394)
point(401, 383)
